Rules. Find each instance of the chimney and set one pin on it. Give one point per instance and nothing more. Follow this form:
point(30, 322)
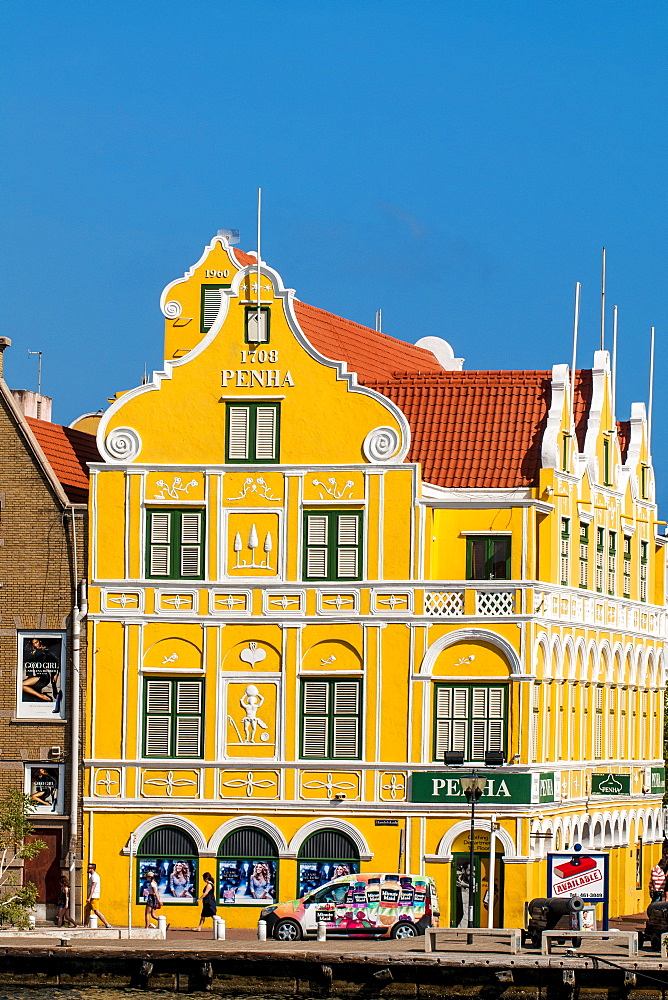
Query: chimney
point(4, 342)
point(32, 404)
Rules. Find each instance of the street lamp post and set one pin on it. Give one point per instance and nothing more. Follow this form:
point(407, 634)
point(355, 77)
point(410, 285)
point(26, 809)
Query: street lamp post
point(473, 786)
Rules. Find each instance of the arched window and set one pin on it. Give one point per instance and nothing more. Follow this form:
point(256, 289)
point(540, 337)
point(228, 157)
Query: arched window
point(168, 856)
point(247, 868)
point(323, 856)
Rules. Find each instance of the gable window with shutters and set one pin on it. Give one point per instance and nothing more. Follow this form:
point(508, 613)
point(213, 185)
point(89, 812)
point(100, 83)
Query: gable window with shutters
point(584, 555)
point(565, 551)
point(470, 719)
point(173, 717)
point(252, 432)
point(333, 545)
point(257, 332)
point(210, 305)
point(175, 544)
point(331, 719)
point(627, 566)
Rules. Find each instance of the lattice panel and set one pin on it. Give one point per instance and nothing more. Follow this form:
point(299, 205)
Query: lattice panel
point(494, 603)
point(445, 604)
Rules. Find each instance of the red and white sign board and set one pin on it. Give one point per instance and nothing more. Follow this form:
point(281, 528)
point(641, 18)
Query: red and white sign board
point(579, 874)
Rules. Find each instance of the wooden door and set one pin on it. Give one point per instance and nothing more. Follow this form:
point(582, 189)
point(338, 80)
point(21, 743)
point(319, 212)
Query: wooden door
point(44, 870)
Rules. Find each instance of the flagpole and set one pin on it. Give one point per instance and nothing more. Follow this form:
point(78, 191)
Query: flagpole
point(259, 258)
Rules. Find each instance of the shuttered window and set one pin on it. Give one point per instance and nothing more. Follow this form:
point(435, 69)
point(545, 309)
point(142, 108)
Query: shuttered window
point(252, 432)
point(584, 555)
point(210, 305)
point(644, 558)
point(174, 713)
point(332, 545)
point(600, 553)
point(257, 328)
point(612, 562)
point(331, 717)
point(627, 566)
point(565, 551)
point(598, 724)
point(469, 719)
point(175, 544)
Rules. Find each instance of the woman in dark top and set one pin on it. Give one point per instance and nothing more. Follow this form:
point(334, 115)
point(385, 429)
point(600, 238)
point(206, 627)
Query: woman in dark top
point(64, 904)
point(208, 898)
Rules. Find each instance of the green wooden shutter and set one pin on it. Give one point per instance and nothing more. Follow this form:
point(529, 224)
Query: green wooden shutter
point(211, 300)
point(345, 723)
point(158, 718)
point(188, 721)
point(191, 543)
point(347, 552)
point(317, 538)
point(496, 719)
point(160, 543)
point(237, 432)
point(265, 433)
point(315, 722)
point(452, 726)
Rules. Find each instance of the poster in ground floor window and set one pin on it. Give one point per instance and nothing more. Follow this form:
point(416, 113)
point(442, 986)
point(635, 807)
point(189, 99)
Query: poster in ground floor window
point(246, 881)
point(41, 675)
point(176, 879)
point(44, 787)
point(315, 873)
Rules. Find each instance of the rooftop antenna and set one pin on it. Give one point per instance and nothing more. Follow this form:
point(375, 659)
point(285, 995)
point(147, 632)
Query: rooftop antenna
point(576, 324)
point(379, 320)
point(144, 380)
point(39, 382)
point(614, 366)
point(650, 402)
point(603, 299)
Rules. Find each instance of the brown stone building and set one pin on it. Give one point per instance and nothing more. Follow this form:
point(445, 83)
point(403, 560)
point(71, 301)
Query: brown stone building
point(43, 527)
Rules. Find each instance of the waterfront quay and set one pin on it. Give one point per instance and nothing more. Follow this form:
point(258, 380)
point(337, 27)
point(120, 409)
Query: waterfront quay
point(389, 969)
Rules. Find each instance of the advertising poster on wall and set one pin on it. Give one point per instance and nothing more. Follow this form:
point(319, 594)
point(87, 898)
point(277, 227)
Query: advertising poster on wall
point(246, 881)
point(176, 879)
point(41, 675)
point(315, 873)
point(44, 786)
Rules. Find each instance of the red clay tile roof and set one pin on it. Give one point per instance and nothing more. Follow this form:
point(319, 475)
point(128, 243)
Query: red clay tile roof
point(67, 451)
point(372, 355)
point(243, 258)
point(479, 429)
point(624, 437)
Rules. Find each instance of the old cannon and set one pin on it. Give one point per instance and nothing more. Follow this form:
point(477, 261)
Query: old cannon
point(550, 913)
point(656, 925)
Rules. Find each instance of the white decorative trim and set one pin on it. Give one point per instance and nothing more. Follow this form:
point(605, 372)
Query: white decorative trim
point(381, 601)
point(381, 445)
point(468, 635)
point(332, 602)
point(444, 849)
point(230, 594)
point(167, 819)
point(211, 850)
point(171, 309)
point(293, 602)
point(316, 825)
point(118, 606)
point(122, 444)
point(176, 595)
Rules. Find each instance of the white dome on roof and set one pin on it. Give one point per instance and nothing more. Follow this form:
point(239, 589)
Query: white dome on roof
point(443, 353)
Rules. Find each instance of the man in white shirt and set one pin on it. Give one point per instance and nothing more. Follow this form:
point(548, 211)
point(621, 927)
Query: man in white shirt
point(93, 895)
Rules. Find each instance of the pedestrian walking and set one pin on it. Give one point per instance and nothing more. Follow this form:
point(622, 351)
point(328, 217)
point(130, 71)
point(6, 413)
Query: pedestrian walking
point(208, 899)
point(64, 904)
point(657, 881)
point(152, 899)
point(93, 895)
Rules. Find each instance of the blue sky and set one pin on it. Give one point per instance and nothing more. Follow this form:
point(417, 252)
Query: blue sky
point(458, 164)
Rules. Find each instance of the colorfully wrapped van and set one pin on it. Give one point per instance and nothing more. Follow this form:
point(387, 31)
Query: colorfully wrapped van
point(396, 906)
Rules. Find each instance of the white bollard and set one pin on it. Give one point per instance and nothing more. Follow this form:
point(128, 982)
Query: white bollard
point(322, 930)
point(92, 920)
point(162, 924)
point(262, 930)
point(218, 929)
point(32, 921)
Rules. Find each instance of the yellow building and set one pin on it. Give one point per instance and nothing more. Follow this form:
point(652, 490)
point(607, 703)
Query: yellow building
point(321, 558)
